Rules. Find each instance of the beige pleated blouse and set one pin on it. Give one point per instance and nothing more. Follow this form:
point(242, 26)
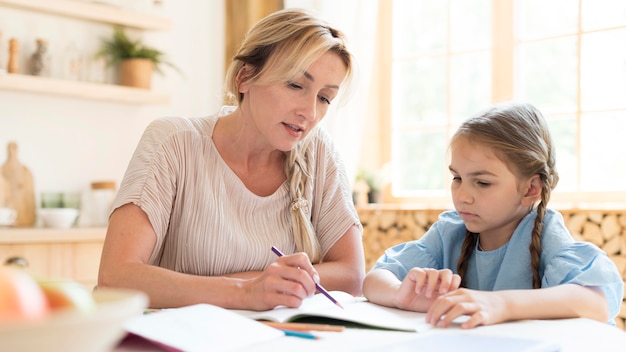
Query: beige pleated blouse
point(206, 221)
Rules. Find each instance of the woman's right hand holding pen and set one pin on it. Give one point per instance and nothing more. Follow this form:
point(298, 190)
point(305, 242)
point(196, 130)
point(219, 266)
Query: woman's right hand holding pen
point(286, 282)
point(422, 286)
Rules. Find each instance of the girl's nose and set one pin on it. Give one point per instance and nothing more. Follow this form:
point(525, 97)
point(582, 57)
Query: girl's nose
point(462, 194)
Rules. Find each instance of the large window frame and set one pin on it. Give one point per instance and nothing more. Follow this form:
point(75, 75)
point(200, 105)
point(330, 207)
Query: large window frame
point(503, 89)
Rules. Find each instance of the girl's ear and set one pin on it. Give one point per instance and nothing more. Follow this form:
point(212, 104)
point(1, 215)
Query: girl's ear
point(533, 190)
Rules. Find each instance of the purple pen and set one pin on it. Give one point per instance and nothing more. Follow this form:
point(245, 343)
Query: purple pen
point(318, 286)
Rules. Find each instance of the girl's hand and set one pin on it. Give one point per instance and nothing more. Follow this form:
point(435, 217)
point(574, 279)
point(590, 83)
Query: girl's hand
point(422, 285)
point(483, 308)
point(287, 281)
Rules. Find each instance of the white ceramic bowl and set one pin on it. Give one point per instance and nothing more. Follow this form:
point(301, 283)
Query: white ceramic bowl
point(58, 218)
point(70, 330)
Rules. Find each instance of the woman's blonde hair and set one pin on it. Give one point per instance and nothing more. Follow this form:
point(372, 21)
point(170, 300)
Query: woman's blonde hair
point(279, 49)
point(519, 136)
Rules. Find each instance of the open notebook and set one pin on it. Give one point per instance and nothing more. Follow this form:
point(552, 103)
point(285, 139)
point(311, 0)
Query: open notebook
point(200, 327)
point(357, 312)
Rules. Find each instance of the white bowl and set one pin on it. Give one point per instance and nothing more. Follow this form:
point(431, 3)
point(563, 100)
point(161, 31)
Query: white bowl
point(70, 330)
point(58, 218)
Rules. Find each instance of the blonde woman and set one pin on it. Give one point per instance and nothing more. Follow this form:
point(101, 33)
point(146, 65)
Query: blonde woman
point(205, 199)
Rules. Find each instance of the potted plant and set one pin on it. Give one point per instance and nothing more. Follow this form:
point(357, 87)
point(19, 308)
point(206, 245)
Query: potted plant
point(135, 61)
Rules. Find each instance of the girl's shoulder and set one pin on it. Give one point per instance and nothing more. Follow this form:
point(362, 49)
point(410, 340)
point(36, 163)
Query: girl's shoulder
point(450, 224)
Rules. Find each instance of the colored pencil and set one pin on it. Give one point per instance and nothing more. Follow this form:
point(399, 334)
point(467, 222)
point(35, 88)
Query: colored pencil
point(305, 326)
point(318, 286)
point(304, 335)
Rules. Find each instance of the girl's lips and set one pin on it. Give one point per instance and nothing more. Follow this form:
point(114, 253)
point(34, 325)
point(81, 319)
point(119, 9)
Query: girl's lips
point(466, 215)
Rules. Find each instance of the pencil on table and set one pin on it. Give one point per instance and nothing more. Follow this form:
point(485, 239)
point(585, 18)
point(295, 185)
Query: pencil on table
point(305, 326)
point(302, 334)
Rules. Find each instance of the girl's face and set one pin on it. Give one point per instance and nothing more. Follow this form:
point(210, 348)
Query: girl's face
point(490, 199)
point(285, 113)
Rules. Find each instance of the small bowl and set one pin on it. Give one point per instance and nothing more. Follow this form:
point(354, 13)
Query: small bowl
point(58, 218)
point(70, 330)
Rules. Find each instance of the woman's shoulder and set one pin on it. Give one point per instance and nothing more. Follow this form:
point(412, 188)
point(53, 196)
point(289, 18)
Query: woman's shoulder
point(172, 125)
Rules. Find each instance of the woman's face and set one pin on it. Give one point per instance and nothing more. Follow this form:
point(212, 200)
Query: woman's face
point(285, 113)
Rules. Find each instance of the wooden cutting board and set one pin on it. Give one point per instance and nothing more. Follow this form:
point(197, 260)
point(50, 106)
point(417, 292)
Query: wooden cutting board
point(19, 186)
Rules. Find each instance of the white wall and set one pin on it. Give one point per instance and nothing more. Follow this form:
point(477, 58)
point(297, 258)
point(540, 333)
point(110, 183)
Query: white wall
point(66, 142)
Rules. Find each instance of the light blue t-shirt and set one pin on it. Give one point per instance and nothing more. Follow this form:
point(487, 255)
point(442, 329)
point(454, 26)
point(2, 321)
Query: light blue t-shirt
point(563, 260)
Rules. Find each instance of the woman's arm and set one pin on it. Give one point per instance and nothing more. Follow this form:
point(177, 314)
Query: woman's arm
point(486, 308)
point(127, 248)
point(343, 267)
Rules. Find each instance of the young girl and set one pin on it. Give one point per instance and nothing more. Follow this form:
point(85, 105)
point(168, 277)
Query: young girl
point(502, 255)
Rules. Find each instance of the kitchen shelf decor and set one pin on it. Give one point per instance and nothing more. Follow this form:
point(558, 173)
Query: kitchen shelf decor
point(93, 12)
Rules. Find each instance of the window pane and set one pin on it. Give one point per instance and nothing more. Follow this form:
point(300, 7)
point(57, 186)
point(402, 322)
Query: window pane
point(603, 150)
point(418, 161)
point(564, 135)
point(419, 92)
point(603, 70)
point(419, 26)
point(541, 19)
point(598, 14)
point(470, 86)
point(470, 31)
point(546, 74)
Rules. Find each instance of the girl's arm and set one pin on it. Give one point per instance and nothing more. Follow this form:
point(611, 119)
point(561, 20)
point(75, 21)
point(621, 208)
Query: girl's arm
point(417, 291)
point(492, 307)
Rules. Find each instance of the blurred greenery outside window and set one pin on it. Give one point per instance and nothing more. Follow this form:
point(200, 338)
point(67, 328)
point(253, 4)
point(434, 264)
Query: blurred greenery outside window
point(453, 58)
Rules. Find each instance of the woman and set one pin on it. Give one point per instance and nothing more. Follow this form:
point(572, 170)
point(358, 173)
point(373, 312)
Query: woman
point(205, 199)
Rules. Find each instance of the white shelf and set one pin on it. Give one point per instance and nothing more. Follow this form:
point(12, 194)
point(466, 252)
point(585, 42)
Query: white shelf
point(84, 90)
point(92, 12)
point(13, 235)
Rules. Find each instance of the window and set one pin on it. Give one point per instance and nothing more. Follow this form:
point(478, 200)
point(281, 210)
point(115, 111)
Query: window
point(451, 59)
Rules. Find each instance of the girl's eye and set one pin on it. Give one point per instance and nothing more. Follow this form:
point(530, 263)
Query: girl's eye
point(456, 179)
point(483, 184)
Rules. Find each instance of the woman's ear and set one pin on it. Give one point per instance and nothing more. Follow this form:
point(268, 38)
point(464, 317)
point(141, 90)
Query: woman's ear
point(242, 79)
point(533, 189)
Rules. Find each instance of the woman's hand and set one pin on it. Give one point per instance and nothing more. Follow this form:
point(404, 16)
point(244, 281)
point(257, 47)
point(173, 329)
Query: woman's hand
point(422, 285)
point(286, 282)
point(483, 308)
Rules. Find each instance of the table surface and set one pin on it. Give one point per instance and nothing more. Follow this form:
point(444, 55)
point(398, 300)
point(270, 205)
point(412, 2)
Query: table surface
point(570, 334)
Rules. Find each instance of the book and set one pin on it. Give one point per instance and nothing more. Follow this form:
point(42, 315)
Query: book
point(357, 312)
point(200, 327)
point(454, 341)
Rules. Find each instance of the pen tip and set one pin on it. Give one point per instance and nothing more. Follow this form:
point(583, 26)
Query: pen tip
point(339, 305)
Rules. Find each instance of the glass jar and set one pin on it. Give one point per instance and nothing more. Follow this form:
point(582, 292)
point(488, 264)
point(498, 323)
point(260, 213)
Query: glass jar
point(102, 197)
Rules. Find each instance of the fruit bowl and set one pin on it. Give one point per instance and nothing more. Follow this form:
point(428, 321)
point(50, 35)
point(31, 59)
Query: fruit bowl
point(72, 330)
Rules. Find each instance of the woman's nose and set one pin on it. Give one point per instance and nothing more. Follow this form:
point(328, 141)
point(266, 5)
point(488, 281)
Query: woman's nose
point(308, 108)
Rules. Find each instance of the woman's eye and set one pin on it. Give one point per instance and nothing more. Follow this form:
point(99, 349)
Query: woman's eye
point(324, 99)
point(294, 85)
